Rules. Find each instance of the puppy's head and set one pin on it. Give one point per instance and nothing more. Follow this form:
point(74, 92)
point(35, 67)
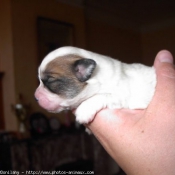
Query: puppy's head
point(62, 79)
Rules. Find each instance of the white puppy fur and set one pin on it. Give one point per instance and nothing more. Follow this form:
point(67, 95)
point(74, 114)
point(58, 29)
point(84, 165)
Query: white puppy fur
point(113, 84)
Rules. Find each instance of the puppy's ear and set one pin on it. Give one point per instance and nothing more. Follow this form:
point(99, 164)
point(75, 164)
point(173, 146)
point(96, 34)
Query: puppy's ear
point(83, 69)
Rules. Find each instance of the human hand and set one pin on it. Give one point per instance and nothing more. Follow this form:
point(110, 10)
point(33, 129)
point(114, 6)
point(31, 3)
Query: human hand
point(142, 142)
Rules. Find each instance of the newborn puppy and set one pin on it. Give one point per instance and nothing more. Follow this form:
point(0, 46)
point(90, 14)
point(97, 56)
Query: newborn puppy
point(72, 78)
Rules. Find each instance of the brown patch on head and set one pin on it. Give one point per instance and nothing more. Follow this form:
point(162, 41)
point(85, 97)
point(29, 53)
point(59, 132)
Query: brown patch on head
point(59, 77)
point(62, 65)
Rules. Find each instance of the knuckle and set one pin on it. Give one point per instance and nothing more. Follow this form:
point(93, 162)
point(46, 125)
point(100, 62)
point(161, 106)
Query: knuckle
point(168, 72)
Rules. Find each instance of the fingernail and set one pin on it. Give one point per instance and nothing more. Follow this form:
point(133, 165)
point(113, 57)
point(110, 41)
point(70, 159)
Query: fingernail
point(166, 60)
point(165, 56)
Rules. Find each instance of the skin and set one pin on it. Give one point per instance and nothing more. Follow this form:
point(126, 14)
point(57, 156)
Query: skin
point(142, 142)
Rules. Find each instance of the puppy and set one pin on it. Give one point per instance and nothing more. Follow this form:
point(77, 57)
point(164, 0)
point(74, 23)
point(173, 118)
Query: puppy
point(72, 78)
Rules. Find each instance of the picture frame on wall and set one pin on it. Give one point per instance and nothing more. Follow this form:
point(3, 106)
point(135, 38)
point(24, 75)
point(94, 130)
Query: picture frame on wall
point(53, 34)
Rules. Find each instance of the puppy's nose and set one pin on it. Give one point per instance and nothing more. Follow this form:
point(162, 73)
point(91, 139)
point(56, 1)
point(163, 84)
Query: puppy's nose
point(36, 99)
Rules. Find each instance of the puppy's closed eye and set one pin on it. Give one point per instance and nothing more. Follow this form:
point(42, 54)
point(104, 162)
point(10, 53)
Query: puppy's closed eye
point(53, 84)
point(62, 86)
point(51, 79)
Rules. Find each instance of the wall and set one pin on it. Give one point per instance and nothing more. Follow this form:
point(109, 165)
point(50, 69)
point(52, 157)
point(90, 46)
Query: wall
point(156, 39)
point(113, 41)
point(7, 63)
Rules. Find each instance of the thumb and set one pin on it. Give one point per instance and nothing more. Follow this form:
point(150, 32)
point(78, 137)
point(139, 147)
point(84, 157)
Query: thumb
point(163, 58)
point(165, 88)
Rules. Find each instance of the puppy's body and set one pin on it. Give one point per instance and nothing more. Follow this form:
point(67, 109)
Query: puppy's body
point(75, 78)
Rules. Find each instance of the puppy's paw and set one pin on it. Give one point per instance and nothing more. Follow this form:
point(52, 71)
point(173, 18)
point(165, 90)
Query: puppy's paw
point(87, 110)
point(84, 116)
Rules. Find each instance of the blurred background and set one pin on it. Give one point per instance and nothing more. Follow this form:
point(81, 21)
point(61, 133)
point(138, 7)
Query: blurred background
point(129, 30)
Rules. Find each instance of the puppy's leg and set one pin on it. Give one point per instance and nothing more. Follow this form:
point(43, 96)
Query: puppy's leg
point(87, 110)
